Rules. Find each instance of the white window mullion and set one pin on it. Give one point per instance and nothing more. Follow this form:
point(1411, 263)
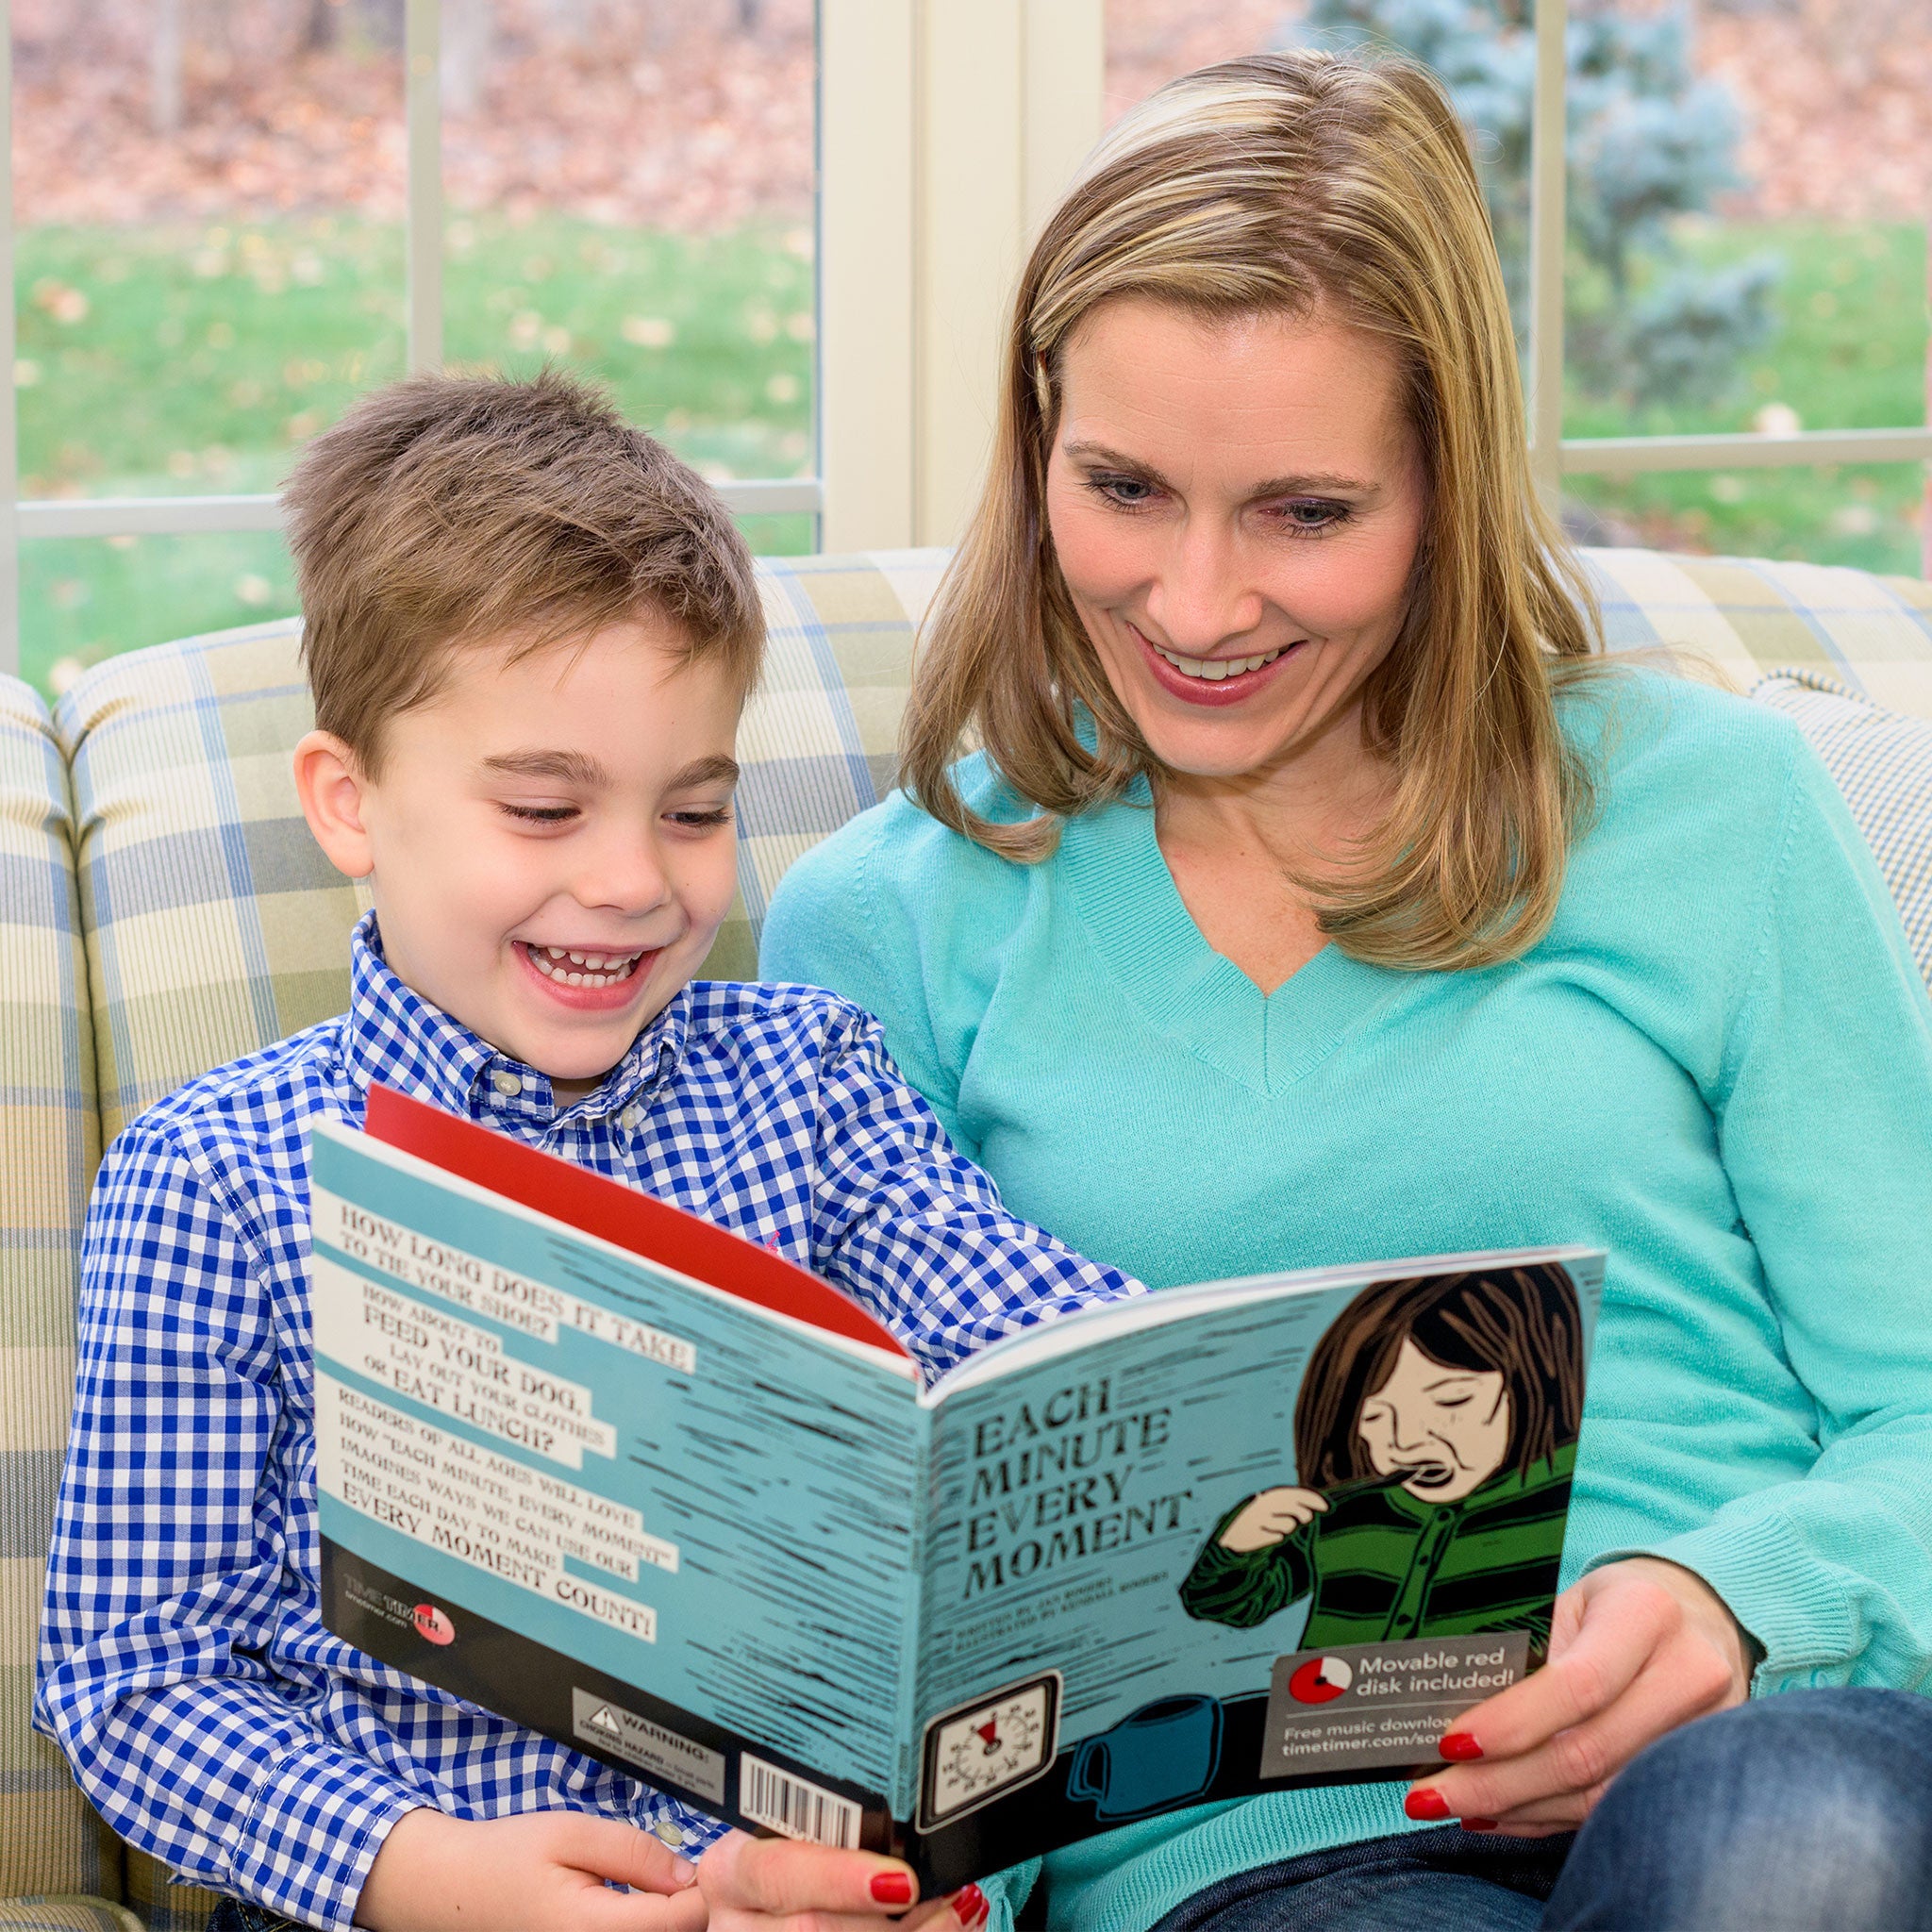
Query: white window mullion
point(423, 112)
point(1547, 153)
point(9, 420)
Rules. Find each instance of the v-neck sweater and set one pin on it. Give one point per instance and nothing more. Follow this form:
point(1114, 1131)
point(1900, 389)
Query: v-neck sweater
point(1717, 1064)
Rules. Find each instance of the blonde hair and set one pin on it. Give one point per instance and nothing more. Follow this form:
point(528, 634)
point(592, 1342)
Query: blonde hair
point(451, 510)
point(1280, 184)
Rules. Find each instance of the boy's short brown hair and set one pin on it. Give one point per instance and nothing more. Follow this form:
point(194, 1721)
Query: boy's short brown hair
point(451, 510)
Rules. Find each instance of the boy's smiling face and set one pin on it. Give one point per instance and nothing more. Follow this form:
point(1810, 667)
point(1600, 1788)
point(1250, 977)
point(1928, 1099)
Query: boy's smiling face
point(549, 840)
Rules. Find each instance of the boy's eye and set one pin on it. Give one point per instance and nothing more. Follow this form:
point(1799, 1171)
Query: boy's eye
point(702, 818)
point(539, 814)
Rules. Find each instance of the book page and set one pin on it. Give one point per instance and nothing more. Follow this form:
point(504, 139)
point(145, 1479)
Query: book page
point(540, 1452)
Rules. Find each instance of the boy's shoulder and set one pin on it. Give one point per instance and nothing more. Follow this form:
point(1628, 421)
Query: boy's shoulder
point(760, 1019)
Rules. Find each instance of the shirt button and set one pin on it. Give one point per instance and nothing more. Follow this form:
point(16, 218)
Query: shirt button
point(629, 1118)
point(672, 1834)
point(505, 1082)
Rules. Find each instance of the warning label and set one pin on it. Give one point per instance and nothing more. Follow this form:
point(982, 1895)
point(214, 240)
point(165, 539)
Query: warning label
point(1362, 1707)
point(659, 1753)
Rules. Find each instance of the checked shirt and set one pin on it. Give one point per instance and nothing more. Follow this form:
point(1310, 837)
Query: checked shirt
point(183, 1666)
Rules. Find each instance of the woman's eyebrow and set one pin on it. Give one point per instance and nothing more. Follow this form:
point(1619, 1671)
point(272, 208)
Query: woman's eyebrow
point(570, 767)
point(1274, 486)
point(1446, 1381)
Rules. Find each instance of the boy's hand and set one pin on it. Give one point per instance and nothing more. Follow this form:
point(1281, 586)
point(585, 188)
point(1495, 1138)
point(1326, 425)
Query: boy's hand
point(778, 1885)
point(538, 1871)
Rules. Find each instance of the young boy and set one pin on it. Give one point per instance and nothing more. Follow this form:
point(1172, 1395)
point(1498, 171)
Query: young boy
point(529, 633)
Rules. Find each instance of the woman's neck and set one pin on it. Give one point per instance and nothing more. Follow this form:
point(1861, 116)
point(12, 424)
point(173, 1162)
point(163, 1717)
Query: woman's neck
point(1236, 847)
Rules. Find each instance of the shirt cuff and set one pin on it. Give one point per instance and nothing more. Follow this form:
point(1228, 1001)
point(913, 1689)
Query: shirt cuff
point(315, 1824)
point(1789, 1603)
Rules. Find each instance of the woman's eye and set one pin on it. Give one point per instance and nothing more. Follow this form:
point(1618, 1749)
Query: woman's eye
point(1124, 492)
point(1312, 516)
point(541, 814)
point(1451, 1401)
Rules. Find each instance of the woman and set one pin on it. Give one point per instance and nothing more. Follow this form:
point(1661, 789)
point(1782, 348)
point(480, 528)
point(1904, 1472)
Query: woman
point(1435, 1435)
point(1317, 897)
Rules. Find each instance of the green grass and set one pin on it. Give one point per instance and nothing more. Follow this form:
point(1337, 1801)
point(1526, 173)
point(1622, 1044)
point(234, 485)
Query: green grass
point(199, 360)
point(1849, 354)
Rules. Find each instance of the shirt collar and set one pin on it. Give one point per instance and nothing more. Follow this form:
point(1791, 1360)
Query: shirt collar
point(393, 1035)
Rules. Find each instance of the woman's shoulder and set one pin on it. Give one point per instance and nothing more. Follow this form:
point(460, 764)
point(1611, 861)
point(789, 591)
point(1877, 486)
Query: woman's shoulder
point(898, 851)
point(1635, 721)
point(1678, 752)
point(890, 886)
point(1695, 792)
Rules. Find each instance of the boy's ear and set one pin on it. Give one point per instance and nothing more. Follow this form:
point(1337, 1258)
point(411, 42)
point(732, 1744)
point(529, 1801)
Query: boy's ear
point(332, 788)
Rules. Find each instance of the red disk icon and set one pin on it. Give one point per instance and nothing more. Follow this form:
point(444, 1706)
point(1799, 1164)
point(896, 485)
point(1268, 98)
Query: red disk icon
point(432, 1623)
point(1319, 1680)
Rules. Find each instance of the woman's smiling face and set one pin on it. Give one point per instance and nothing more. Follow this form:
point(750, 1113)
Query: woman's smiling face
point(1444, 1430)
point(1236, 507)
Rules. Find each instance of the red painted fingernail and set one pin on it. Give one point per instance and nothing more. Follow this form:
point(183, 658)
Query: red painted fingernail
point(893, 1887)
point(970, 1907)
point(1427, 1804)
point(1458, 1747)
point(1478, 1824)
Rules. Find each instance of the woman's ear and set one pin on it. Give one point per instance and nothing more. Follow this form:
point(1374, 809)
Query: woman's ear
point(334, 793)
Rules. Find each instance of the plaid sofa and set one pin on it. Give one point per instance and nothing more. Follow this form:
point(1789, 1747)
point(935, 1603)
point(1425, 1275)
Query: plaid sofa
point(162, 910)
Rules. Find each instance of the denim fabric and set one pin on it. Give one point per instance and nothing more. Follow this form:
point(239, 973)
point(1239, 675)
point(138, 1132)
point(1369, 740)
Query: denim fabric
point(239, 1915)
point(1804, 1812)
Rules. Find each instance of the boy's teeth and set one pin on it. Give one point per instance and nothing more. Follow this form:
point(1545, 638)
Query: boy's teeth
point(1214, 669)
point(570, 968)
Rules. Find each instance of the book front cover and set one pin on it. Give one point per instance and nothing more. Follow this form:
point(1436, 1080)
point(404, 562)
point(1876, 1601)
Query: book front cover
point(622, 1508)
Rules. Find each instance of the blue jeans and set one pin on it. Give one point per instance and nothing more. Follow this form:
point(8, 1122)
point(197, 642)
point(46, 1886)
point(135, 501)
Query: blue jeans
point(1807, 1812)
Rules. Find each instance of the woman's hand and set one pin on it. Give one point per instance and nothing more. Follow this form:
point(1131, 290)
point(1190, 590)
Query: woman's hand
point(1636, 1649)
point(1270, 1517)
point(536, 1872)
point(777, 1884)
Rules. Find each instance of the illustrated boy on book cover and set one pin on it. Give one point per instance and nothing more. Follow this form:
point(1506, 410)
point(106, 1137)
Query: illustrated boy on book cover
point(1434, 1438)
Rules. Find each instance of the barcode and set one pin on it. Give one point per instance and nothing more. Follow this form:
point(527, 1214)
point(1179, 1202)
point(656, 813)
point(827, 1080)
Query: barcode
point(777, 1799)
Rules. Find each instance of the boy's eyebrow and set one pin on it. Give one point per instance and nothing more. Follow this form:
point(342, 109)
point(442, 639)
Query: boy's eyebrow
point(708, 771)
point(571, 767)
point(1274, 486)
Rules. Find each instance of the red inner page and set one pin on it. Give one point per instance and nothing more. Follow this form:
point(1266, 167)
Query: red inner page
point(638, 1222)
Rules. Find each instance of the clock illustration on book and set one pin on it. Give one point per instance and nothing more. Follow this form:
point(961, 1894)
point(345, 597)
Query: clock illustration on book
point(980, 1751)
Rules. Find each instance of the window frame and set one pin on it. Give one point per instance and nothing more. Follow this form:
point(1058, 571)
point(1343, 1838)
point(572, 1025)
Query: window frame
point(916, 256)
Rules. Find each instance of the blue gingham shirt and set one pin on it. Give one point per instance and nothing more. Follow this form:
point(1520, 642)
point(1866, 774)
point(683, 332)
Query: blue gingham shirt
point(183, 1665)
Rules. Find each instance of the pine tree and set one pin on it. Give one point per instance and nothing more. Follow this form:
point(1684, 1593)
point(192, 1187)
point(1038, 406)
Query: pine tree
point(1647, 142)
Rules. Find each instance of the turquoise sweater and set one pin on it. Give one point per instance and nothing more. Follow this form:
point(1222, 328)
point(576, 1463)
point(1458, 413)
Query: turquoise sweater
point(1718, 1065)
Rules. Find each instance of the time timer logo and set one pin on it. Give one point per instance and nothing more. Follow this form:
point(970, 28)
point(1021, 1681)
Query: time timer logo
point(431, 1622)
point(1320, 1680)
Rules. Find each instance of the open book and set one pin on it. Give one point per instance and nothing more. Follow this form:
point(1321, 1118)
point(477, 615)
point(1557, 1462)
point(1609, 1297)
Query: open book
point(642, 1486)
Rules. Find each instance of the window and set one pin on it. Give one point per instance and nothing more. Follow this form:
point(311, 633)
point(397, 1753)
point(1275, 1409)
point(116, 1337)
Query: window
point(786, 232)
point(232, 219)
point(1729, 351)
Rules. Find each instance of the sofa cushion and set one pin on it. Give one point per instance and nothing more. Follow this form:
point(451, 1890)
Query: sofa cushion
point(1744, 617)
point(1882, 762)
point(48, 1147)
point(68, 1912)
point(216, 925)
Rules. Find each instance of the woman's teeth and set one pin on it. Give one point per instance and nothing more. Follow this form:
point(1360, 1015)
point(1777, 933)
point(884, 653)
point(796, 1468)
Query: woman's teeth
point(582, 969)
point(1215, 669)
